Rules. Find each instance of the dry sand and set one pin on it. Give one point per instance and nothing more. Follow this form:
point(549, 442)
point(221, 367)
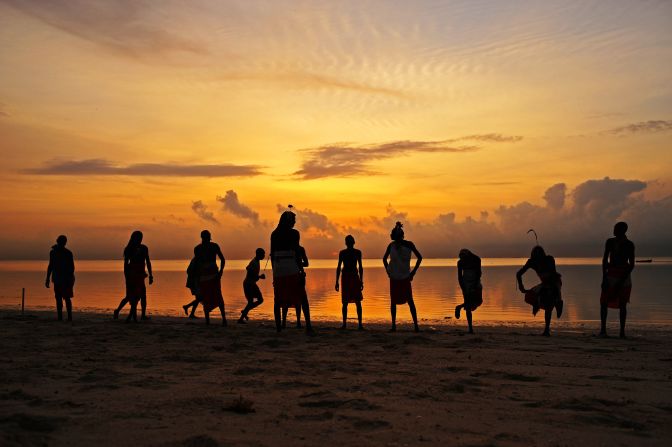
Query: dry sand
point(173, 382)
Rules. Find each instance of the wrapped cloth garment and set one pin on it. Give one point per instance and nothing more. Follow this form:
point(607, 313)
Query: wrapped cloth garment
point(400, 290)
point(616, 291)
point(472, 290)
point(351, 288)
point(135, 281)
point(210, 287)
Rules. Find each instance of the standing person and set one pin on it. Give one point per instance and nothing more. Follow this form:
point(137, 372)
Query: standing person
point(399, 271)
point(136, 256)
point(61, 271)
point(302, 260)
point(617, 264)
point(469, 278)
point(288, 286)
point(546, 295)
point(250, 287)
point(352, 279)
point(210, 276)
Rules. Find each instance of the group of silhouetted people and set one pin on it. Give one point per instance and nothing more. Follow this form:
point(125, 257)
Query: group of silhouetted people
point(289, 260)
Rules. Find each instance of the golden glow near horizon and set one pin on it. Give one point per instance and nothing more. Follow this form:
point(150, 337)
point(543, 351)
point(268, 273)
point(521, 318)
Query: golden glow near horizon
point(342, 108)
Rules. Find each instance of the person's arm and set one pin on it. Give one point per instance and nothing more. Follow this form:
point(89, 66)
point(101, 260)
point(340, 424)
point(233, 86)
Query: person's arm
point(149, 266)
point(460, 271)
point(605, 257)
point(418, 260)
point(338, 270)
point(50, 269)
point(519, 277)
point(221, 258)
point(631, 259)
point(361, 269)
point(385, 256)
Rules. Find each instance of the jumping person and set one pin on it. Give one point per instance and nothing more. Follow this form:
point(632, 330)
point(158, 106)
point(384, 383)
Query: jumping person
point(352, 279)
point(469, 278)
point(250, 287)
point(302, 259)
point(61, 271)
point(288, 288)
point(136, 256)
point(210, 276)
point(546, 295)
point(617, 265)
point(399, 271)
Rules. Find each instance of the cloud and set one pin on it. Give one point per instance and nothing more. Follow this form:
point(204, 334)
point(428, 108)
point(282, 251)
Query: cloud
point(491, 138)
point(345, 160)
point(106, 167)
point(651, 126)
point(124, 27)
point(201, 211)
point(555, 196)
point(317, 225)
point(234, 206)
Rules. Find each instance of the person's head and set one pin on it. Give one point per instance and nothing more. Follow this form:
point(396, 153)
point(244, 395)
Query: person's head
point(136, 238)
point(260, 254)
point(397, 233)
point(620, 229)
point(61, 240)
point(205, 236)
point(349, 241)
point(464, 253)
point(537, 253)
point(287, 219)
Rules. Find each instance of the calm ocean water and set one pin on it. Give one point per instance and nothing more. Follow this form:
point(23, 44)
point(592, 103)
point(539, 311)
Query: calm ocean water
point(100, 286)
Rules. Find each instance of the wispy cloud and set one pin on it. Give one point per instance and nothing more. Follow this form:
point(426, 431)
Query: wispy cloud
point(123, 27)
point(106, 167)
point(234, 206)
point(651, 126)
point(491, 138)
point(201, 210)
point(345, 160)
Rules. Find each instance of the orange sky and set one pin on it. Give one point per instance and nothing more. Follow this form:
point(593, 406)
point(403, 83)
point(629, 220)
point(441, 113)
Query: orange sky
point(120, 115)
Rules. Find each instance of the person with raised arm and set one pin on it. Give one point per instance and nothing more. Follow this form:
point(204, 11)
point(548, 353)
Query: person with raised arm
point(618, 262)
point(469, 278)
point(399, 271)
point(61, 272)
point(352, 279)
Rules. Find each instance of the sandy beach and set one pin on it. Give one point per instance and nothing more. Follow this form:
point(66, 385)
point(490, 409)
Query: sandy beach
point(173, 382)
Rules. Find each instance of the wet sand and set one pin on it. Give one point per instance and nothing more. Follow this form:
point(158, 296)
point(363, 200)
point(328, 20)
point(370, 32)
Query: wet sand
point(172, 382)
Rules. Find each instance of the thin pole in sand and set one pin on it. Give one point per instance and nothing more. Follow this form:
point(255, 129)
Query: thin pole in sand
point(23, 299)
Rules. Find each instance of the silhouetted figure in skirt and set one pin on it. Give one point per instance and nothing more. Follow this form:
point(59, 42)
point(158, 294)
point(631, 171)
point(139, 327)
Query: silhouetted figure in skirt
point(400, 273)
point(61, 271)
point(210, 276)
point(617, 265)
point(469, 278)
point(546, 295)
point(352, 279)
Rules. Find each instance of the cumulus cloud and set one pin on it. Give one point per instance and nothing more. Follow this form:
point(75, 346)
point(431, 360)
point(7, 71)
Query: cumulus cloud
point(106, 167)
point(651, 126)
point(234, 206)
point(201, 211)
point(345, 160)
point(555, 196)
point(317, 224)
point(124, 27)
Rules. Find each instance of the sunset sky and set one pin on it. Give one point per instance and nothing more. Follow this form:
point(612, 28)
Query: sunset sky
point(471, 121)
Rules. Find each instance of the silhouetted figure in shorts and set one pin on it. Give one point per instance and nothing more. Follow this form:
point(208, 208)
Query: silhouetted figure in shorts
point(352, 279)
point(61, 271)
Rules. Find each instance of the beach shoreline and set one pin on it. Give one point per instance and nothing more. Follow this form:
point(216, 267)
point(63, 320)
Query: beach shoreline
point(175, 382)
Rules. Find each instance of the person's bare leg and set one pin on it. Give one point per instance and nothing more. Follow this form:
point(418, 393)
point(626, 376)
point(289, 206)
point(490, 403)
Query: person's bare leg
point(298, 316)
point(359, 315)
point(604, 309)
point(344, 312)
point(393, 313)
point(548, 313)
point(207, 316)
point(223, 312)
point(306, 315)
point(458, 309)
point(277, 313)
point(133, 313)
point(68, 306)
point(623, 315)
point(121, 305)
point(59, 308)
point(143, 308)
point(469, 321)
point(414, 314)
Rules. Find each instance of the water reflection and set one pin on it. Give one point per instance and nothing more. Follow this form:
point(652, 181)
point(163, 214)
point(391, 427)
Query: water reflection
point(100, 285)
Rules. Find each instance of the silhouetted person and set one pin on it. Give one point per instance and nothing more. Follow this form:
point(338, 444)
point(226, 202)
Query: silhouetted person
point(302, 259)
point(546, 295)
point(193, 286)
point(250, 287)
point(617, 264)
point(210, 276)
point(136, 256)
point(469, 278)
point(399, 271)
point(352, 279)
point(288, 282)
point(61, 271)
